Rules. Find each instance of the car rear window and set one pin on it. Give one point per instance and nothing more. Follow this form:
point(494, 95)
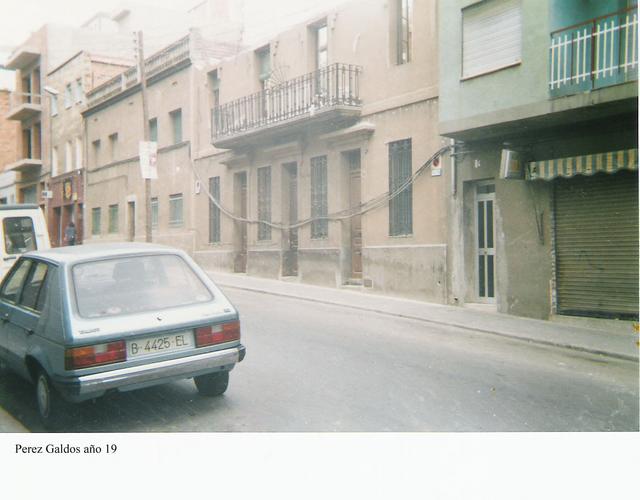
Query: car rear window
point(129, 285)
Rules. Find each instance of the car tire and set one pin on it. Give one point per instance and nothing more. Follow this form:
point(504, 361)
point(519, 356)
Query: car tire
point(212, 384)
point(49, 402)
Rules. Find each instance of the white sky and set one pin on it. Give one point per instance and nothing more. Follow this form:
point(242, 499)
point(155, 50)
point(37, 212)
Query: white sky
point(20, 18)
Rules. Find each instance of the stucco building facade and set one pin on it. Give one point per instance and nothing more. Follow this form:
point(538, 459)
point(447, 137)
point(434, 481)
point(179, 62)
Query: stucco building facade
point(544, 217)
point(311, 129)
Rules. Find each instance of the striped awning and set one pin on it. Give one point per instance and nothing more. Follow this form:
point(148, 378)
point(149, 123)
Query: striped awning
point(610, 163)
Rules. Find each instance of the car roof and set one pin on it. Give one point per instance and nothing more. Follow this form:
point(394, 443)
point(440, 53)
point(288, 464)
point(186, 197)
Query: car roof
point(78, 253)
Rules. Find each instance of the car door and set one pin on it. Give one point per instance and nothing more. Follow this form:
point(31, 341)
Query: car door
point(25, 316)
point(9, 296)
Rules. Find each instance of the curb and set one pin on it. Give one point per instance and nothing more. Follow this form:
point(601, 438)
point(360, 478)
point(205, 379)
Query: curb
point(550, 343)
point(8, 424)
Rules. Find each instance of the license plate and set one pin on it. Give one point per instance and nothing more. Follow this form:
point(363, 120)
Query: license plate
point(159, 345)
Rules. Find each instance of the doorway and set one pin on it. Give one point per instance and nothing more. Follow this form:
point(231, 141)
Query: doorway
point(131, 217)
point(240, 208)
point(290, 215)
point(355, 199)
point(485, 242)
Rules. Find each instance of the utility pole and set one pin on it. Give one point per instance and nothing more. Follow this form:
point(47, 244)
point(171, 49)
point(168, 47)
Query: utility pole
point(146, 134)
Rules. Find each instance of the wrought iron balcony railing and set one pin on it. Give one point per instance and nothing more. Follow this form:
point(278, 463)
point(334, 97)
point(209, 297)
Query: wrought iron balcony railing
point(153, 65)
point(595, 54)
point(307, 95)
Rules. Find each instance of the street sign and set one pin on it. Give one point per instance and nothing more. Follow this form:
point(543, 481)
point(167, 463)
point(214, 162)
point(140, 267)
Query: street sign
point(149, 159)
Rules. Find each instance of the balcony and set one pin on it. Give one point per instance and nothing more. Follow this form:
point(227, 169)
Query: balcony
point(23, 106)
point(596, 54)
point(26, 166)
point(328, 97)
point(22, 57)
point(168, 58)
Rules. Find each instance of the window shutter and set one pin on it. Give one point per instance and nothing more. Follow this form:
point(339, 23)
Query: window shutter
point(491, 36)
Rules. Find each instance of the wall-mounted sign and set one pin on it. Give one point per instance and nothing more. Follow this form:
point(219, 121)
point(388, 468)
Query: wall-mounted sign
point(67, 190)
point(149, 160)
point(511, 166)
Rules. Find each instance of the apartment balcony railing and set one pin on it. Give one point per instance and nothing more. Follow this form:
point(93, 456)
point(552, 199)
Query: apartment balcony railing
point(153, 65)
point(24, 105)
point(327, 93)
point(596, 54)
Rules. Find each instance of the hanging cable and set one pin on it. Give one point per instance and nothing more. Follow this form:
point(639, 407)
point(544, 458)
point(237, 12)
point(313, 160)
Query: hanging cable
point(345, 214)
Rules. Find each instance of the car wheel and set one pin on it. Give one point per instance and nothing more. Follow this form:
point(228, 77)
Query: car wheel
point(49, 402)
point(212, 384)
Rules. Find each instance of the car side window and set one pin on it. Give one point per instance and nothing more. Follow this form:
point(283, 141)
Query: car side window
point(12, 286)
point(19, 235)
point(35, 288)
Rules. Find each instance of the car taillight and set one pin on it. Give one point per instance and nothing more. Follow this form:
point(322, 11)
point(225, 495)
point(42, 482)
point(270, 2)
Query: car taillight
point(217, 334)
point(93, 355)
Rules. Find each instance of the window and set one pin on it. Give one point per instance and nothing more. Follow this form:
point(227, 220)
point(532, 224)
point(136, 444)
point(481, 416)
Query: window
point(79, 93)
point(113, 146)
point(68, 157)
point(214, 211)
point(154, 213)
point(400, 207)
point(214, 84)
point(13, 284)
point(54, 104)
point(95, 221)
point(135, 284)
point(95, 145)
point(113, 218)
point(19, 235)
point(35, 288)
point(175, 210)
point(78, 142)
point(153, 130)
point(322, 52)
point(54, 162)
point(67, 96)
point(263, 57)
point(319, 228)
point(404, 19)
point(264, 202)
point(176, 125)
point(491, 36)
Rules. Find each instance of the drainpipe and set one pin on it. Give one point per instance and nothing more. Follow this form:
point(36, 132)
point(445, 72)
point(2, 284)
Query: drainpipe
point(454, 171)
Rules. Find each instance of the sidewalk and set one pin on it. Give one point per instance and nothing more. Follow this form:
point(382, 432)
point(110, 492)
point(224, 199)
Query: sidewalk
point(10, 424)
point(619, 342)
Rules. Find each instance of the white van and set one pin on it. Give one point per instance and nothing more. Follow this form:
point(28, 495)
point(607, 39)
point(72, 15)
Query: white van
point(22, 228)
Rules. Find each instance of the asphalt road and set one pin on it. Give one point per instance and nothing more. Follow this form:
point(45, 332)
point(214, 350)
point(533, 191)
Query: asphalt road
point(319, 368)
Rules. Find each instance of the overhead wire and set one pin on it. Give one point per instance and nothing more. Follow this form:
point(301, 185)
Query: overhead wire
point(345, 214)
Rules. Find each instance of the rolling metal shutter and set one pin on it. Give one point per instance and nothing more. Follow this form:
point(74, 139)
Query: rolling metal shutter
point(596, 233)
point(491, 36)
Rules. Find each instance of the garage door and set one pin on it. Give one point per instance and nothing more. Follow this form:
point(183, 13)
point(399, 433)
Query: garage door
point(597, 245)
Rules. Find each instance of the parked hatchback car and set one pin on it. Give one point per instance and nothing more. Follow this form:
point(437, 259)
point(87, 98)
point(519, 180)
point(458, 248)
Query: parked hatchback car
point(83, 321)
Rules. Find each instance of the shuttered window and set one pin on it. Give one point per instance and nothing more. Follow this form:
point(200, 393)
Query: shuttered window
point(401, 206)
point(264, 202)
point(491, 36)
point(596, 240)
point(319, 197)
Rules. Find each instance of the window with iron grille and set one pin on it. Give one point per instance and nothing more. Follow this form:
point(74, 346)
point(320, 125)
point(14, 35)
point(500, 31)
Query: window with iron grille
point(95, 221)
point(153, 130)
point(175, 210)
point(214, 211)
point(264, 202)
point(113, 218)
point(319, 196)
point(154, 212)
point(400, 207)
point(403, 30)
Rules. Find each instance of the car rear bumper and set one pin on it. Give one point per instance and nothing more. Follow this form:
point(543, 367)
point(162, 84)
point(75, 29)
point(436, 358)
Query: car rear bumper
point(84, 387)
